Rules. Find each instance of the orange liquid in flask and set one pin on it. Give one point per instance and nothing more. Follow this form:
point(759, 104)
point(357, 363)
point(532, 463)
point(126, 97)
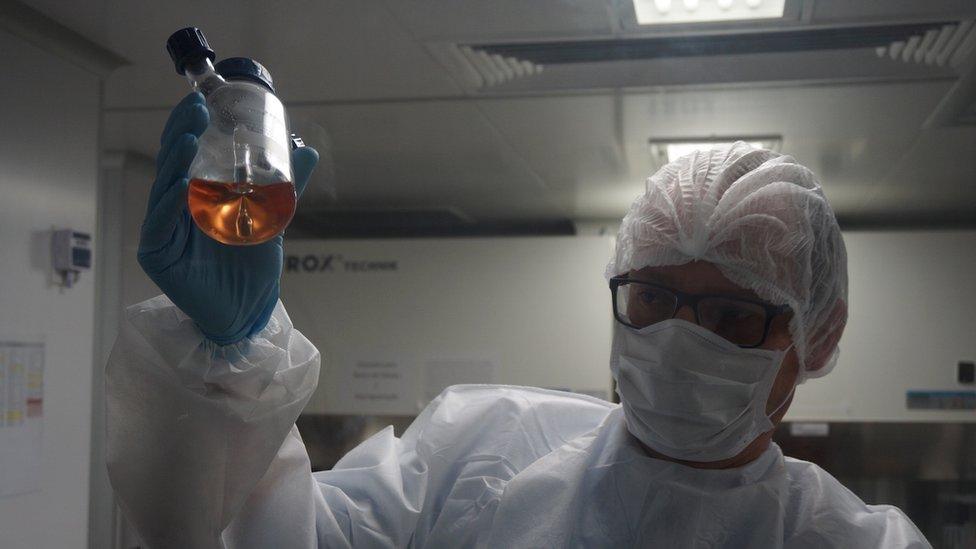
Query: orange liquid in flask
point(241, 213)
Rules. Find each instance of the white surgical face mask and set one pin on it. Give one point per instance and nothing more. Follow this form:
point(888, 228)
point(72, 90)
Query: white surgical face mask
point(690, 394)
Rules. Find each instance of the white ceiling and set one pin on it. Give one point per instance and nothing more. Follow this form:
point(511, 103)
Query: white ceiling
point(407, 133)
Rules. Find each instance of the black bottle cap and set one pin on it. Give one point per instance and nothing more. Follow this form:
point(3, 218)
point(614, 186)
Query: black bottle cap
point(243, 68)
point(186, 46)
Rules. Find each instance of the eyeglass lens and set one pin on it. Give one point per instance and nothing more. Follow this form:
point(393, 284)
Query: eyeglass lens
point(741, 322)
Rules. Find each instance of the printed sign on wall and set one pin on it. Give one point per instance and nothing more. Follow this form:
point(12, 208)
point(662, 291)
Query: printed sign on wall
point(21, 414)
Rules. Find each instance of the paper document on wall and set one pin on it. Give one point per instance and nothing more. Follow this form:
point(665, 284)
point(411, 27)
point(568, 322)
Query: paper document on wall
point(379, 386)
point(21, 414)
point(441, 374)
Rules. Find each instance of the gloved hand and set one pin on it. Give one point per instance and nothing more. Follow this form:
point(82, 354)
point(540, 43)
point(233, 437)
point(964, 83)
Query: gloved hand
point(229, 291)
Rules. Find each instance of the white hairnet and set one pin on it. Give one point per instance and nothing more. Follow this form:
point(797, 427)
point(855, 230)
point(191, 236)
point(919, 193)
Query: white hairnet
point(763, 220)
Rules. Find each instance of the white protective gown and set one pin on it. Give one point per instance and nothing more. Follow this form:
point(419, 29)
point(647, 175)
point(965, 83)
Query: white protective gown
point(203, 452)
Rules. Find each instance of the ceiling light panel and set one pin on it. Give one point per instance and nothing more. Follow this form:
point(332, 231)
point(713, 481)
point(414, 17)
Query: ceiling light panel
point(668, 12)
point(677, 150)
point(669, 150)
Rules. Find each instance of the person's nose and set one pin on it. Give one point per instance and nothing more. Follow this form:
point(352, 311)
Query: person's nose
point(686, 312)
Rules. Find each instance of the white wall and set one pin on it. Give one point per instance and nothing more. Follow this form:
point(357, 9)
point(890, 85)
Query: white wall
point(537, 308)
point(912, 319)
point(48, 179)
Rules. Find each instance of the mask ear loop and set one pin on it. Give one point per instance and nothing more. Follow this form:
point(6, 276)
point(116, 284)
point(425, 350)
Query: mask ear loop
point(781, 404)
point(792, 391)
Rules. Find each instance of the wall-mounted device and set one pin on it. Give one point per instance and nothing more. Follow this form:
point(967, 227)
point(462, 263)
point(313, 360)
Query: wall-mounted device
point(71, 253)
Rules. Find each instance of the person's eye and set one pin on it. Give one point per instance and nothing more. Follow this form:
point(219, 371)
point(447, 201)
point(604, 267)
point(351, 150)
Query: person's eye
point(647, 296)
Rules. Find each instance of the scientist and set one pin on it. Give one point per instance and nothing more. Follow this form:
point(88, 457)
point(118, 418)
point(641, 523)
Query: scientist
point(728, 287)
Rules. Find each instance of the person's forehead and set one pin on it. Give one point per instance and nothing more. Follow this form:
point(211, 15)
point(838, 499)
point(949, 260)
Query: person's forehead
point(699, 277)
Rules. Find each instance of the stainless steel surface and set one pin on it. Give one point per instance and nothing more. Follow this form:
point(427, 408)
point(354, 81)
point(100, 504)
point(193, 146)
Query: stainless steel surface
point(926, 469)
point(329, 437)
point(917, 451)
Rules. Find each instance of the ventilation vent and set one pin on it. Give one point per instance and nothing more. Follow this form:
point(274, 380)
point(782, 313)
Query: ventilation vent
point(953, 45)
point(591, 51)
point(482, 69)
point(938, 46)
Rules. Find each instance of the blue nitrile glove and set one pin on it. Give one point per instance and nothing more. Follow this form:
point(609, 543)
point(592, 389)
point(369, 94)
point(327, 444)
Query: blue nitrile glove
point(229, 291)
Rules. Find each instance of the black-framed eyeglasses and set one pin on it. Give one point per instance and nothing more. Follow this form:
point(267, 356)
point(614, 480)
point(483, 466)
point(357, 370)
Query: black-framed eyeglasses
point(744, 322)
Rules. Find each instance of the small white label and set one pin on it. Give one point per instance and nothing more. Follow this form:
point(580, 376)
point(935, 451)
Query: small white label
point(809, 429)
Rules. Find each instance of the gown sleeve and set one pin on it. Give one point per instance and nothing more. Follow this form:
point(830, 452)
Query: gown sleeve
point(822, 512)
point(196, 430)
point(203, 451)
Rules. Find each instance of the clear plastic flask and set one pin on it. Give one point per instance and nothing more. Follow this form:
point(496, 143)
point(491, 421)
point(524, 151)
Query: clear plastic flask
point(241, 189)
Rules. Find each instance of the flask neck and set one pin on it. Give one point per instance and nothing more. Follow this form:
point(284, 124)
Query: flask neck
point(203, 77)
